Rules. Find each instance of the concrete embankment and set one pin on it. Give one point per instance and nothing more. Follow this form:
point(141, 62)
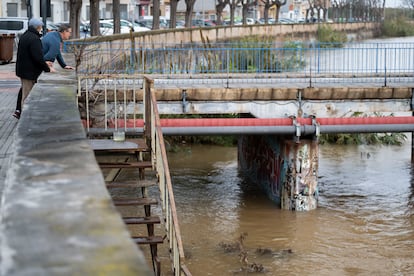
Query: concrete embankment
point(57, 217)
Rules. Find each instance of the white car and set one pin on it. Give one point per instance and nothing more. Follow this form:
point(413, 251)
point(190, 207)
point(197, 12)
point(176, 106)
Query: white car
point(105, 28)
point(13, 25)
point(250, 21)
point(125, 27)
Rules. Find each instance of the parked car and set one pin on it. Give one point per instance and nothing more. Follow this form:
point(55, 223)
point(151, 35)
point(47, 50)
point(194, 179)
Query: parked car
point(250, 21)
point(126, 26)
point(13, 25)
point(147, 23)
point(106, 27)
point(286, 21)
point(269, 21)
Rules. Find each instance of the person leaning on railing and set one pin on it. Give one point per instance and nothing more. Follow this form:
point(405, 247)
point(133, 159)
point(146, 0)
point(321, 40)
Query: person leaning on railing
point(30, 62)
point(52, 43)
point(51, 47)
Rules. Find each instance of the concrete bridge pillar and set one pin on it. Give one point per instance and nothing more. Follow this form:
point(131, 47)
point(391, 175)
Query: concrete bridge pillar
point(287, 170)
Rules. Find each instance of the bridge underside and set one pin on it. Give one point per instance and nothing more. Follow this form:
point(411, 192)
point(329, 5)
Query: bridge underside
point(285, 169)
point(280, 155)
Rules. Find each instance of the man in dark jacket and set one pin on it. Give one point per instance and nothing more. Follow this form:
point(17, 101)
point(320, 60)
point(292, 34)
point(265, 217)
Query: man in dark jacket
point(29, 61)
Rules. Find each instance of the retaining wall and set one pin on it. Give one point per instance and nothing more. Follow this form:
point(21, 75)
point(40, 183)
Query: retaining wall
point(57, 217)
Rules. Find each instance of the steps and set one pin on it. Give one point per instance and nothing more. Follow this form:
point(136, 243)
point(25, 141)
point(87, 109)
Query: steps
point(130, 155)
point(134, 201)
point(126, 165)
point(130, 184)
point(141, 220)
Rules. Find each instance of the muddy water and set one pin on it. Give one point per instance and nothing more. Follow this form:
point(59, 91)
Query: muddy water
point(364, 224)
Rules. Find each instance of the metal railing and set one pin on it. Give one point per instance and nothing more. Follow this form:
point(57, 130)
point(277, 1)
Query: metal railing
point(153, 132)
point(116, 102)
point(297, 61)
point(108, 103)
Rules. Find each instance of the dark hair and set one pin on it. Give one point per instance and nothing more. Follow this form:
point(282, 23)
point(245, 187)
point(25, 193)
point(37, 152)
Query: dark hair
point(64, 27)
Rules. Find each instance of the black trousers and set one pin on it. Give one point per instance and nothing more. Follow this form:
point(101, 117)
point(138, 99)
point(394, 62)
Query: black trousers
point(19, 100)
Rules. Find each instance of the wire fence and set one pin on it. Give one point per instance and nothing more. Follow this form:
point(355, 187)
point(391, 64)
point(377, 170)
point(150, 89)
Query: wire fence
point(351, 62)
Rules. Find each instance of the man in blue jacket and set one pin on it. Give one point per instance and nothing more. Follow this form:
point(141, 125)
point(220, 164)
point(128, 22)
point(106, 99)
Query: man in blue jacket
point(52, 43)
point(29, 61)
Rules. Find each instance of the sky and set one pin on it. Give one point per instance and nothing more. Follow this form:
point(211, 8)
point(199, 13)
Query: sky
point(393, 3)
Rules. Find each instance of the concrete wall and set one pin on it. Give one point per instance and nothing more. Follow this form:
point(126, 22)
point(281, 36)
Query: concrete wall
point(280, 32)
point(57, 217)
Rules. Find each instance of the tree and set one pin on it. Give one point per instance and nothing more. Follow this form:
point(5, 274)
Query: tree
point(156, 15)
point(233, 5)
point(116, 16)
point(267, 5)
point(278, 4)
point(246, 5)
point(173, 9)
point(189, 12)
point(74, 16)
point(94, 17)
point(221, 4)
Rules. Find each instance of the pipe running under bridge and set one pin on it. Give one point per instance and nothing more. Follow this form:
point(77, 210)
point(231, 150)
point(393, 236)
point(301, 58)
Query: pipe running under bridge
point(280, 126)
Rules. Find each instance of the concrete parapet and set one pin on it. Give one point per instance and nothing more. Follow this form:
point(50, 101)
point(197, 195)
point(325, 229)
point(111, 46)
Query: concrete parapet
point(57, 217)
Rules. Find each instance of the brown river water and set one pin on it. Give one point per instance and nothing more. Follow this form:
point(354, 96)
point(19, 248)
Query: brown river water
point(364, 224)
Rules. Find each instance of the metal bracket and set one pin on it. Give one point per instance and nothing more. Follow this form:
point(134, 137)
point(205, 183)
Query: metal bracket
point(297, 129)
point(317, 127)
point(184, 100)
point(299, 99)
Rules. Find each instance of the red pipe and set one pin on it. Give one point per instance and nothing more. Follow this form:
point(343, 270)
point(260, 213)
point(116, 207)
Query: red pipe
point(225, 122)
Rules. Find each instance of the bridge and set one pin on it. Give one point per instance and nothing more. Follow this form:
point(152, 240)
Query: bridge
point(291, 107)
point(280, 111)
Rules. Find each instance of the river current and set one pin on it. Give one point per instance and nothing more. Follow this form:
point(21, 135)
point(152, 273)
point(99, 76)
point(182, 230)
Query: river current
point(364, 224)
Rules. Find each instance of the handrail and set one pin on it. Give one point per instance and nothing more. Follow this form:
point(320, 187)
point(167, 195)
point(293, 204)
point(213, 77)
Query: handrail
point(159, 160)
point(303, 62)
point(115, 89)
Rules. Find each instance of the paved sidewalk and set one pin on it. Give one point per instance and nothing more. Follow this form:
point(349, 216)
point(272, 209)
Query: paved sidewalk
point(9, 88)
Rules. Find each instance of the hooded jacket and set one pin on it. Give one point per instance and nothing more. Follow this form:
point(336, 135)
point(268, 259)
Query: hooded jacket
point(29, 61)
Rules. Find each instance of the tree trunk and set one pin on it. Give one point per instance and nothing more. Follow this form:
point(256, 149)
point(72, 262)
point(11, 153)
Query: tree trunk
point(221, 4)
point(74, 16)
point(156, 15)
point(94, 17)
point(116, 16)
point(173, 16)
point(245, 8)
point(233, 5)
point(189, 13)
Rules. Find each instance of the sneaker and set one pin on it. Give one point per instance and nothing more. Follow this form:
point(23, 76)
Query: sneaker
point(16, 114)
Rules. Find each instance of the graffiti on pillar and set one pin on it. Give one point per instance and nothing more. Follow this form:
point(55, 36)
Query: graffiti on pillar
point(287, 170)
point(300, 191)
point(261, 159)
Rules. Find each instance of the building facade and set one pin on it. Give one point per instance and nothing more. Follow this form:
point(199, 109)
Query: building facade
point(134, 9)
point(130, 9)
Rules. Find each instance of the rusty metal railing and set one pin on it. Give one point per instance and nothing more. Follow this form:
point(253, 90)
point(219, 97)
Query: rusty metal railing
point(111, 103)
point(152, 131)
